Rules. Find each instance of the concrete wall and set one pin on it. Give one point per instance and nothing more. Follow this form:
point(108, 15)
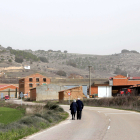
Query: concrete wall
point(104, 91)
point(48, 92)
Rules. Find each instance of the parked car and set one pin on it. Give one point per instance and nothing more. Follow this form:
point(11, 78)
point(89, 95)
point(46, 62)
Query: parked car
point(6, 97)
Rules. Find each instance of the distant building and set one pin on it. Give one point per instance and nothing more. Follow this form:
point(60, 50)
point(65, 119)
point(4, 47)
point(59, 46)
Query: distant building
point(8, 89)
point(27, 67)
point(84, 87)
point(32, 81)
point(101, 89)
point(75, 92)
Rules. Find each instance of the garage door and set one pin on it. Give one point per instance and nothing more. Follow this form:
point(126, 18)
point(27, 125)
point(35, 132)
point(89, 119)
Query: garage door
point(102, 91)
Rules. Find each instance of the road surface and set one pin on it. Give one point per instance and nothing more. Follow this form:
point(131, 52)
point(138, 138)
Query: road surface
point(97, 123)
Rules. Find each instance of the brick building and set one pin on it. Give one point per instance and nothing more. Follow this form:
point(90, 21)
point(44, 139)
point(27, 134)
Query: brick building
point(101, 89)
point(113, 86)
point(32, 81)
point(8, 89)
point(76, 92)
point(118, 82)
point(121, 80)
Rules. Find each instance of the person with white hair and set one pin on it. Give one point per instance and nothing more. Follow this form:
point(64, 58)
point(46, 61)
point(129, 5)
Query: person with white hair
point(79, 109)
point(73, 108)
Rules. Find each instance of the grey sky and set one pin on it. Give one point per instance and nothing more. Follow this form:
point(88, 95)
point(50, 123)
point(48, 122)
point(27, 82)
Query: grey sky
point(78, 26)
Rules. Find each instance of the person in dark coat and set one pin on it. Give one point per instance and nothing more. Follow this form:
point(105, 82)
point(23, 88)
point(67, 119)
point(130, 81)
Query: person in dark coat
point(79, 109)
point(73, 108)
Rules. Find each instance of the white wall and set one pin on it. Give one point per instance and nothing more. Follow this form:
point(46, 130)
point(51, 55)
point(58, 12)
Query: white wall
point(27, 67)
point(104, 91)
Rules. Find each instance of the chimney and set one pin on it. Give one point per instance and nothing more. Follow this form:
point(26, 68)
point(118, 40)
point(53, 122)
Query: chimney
point(127, 75)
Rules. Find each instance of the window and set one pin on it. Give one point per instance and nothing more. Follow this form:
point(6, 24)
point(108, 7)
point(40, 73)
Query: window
point(30, 85)
point(37, 79)
point(37, 84)
point(44, 79)
point(30, 79)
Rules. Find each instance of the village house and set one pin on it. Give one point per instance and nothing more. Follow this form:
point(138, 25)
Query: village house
point(72, 93)
point(32, 81)
point(11, 90)
point(113, 86)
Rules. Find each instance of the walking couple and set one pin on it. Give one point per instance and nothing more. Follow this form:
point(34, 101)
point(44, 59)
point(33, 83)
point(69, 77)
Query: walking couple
point(76, 106)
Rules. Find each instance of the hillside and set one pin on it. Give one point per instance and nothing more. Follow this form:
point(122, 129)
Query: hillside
point(58, 64)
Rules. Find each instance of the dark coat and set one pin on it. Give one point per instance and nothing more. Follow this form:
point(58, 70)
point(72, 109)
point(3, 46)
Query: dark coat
point(80, 105)
point(73, 107)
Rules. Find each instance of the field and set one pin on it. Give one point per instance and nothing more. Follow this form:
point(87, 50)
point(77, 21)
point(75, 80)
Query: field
point(18, 121)
point(8, 115)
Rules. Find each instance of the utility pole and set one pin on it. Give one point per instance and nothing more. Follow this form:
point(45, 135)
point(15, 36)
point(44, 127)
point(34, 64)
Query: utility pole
point(89, 81)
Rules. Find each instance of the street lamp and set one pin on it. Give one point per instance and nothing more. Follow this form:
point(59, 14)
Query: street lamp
point(89, 81)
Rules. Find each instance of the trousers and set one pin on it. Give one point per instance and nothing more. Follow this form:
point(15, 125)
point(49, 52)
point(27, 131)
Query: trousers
point(79, 114)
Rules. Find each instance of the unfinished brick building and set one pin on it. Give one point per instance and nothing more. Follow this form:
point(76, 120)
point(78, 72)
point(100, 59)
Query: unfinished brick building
point(32, 81)
point(76, 92)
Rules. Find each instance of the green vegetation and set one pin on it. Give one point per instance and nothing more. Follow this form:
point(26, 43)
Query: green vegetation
point(43, 59)
point(18, 59)
point(119, 102)
point(8, 115)
point(23, 55)
point(10, 60)
point(71, 62)
point(35, 119)
point(119, 71)
point(61, 73)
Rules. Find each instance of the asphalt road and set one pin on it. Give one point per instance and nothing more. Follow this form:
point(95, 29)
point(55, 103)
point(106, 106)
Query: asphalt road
point(96, 124)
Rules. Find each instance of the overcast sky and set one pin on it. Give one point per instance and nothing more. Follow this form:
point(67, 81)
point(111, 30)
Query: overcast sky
point(78, 26)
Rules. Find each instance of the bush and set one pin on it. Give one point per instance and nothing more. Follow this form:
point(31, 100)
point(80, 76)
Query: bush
point(18, 59)
point(43, 59)
point(23, 55)
point(119, 71)
point(61, 73)
point(10, 60)
point(52, 106)
point(126, 102)
point(71, 63)
point(41, 119)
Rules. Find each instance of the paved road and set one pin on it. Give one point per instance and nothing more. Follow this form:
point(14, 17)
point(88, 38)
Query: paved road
point(96, 124)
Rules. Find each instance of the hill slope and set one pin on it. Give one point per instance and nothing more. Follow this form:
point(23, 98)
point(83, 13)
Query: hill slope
point(69, 65)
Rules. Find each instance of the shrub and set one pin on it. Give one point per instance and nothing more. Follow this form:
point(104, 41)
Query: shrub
point(71, 63)
point(119, 71)
point(24, 55)
point(61, 73)
point(10, 60)
point(18, 59)
point(43, 59)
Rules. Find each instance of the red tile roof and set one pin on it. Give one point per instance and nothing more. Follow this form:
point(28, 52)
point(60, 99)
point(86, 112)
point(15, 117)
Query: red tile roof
point(7, 86)
point(2, 86)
